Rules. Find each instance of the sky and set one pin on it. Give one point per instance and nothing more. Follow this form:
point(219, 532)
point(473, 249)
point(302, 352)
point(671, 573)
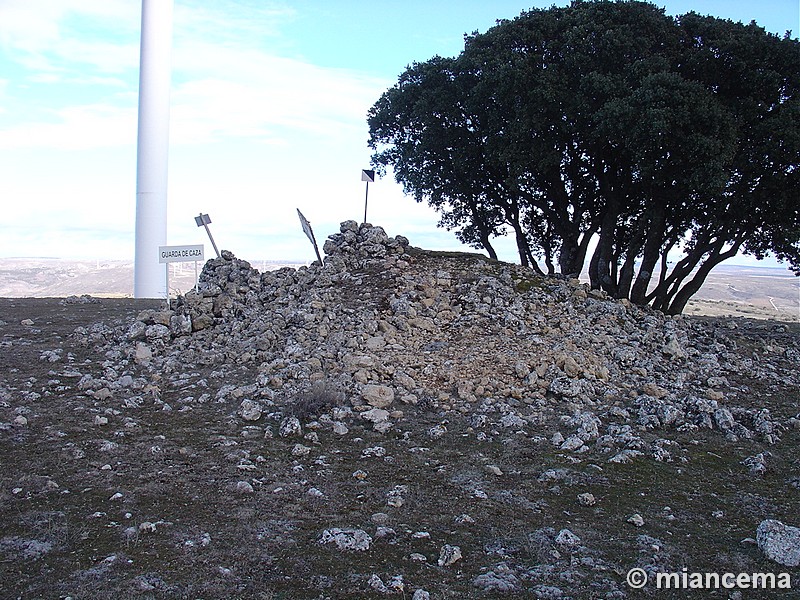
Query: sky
point(268, 113)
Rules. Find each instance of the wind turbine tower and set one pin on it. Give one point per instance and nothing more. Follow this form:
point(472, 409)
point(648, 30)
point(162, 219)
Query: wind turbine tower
point(150, 277)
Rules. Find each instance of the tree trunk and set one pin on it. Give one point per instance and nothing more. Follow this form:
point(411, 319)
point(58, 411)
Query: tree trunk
point(600, 268)
point(626, 272)
point(487, 245)
point(678, 304)
point(568, 256)
point(652, 247)
point(489, 248)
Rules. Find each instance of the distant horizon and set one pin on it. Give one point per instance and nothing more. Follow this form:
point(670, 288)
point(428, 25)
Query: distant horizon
point(784, 267)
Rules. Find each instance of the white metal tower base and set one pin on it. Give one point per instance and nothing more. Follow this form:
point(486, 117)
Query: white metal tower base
point(150, 277)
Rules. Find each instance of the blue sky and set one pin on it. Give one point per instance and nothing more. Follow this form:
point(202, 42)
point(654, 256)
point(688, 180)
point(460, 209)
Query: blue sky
point(268, 113)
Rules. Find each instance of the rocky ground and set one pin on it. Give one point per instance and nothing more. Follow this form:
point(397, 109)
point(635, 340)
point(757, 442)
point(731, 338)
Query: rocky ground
point(394, 423)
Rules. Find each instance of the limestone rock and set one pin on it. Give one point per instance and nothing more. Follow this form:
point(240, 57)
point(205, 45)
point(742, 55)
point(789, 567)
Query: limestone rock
point(290, 427)
point(449, 555)
point(500, 579)
point(250, 410)
point(378, 396)
point(779, 543)
point(347, 540)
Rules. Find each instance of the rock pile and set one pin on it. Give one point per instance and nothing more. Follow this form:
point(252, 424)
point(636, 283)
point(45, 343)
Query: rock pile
point(387, 326)
point(392, 421)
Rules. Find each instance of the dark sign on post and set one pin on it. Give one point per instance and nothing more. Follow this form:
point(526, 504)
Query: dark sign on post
point(203, 221)
point(309, 234)
point(367, 175)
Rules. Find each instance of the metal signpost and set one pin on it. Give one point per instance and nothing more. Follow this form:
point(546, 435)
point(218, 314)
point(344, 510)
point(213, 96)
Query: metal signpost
point(309, 233)
point(203, 221)
point(171, 254)
point(367, 175)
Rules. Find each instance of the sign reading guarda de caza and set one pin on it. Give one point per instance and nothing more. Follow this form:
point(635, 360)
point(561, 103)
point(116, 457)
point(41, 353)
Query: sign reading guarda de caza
point(168, 254)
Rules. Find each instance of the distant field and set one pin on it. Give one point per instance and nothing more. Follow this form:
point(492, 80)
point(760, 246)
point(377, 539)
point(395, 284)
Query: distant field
point(754, 292)
point(759, 292)
point(56, 278)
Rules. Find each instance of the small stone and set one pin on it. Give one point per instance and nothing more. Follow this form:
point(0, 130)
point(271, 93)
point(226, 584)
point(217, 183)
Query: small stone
point(376, 415)
point(572, 443)
point(449, 555)
point(300, 450)
point(673, 349)
point(652, 389)
point(143, 354)
point(587, 499)
point(250, 410)
point(566, 538)
point(437, 431)
point(377, 584)
point(383, 532)
point(464, 519)
point(396, 497)
point(636, 519)
point(373, 452)
point(501, 579)
point(757, 464)
point(378, 396)
point(290, 427)
point(244, 487)
point(26, 322)
point(352, 540)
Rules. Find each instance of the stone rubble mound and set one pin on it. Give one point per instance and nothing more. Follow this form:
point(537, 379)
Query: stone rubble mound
point(381, 327)
point(389, 367)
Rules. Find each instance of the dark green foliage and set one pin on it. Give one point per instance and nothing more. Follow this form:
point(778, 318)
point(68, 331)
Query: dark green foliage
point(659, 138)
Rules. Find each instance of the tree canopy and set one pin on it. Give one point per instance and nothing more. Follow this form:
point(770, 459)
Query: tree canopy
point(607, 133)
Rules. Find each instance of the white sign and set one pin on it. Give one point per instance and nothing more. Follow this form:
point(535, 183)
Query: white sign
point(168, 254)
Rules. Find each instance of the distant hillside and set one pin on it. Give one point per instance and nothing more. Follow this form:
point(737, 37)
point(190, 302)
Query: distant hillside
point(57, 278)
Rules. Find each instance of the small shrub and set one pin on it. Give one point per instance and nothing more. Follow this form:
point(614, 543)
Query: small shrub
point(319, 399)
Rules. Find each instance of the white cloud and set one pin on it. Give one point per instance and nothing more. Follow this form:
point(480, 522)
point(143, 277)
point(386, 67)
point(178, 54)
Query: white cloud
point(225, 83)
point(75, 128)
point(254, 133)
point(54, 35)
